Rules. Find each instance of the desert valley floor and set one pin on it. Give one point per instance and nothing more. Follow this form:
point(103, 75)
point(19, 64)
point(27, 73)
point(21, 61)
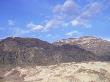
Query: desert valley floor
point(65, 72)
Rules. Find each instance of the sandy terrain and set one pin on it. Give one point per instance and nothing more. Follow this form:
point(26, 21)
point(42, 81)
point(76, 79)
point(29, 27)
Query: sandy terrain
point(66, 72)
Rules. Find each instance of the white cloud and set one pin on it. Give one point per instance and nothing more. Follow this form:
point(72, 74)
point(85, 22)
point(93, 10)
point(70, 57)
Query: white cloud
point(81, 22)
point(57, 9)
point(11, 22)
point(35, 27)
point(92, 9)
point(70, 7)
point(70, 13)
point(73, 34)
point(58, 19)
point(89, 11)
point(53, 23)
point(43, 28)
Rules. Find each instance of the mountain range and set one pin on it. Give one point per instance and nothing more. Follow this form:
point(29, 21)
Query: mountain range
point(17, 51)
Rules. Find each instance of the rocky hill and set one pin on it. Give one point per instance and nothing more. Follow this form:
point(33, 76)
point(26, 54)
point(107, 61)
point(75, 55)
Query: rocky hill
point(98, 46)
point(84, 59)
point(16, 51)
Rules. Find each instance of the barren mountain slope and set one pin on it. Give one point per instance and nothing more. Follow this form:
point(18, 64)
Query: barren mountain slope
point(16, 51)
point(98, 46)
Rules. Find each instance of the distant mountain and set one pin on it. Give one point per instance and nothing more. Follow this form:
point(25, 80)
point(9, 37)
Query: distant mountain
point(16, 51)
point(98, 46)
point(25, 51)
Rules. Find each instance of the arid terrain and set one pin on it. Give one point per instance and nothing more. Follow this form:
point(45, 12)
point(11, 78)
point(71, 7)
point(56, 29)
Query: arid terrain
point(84, 59)
point(65, 72)
point(54, 40)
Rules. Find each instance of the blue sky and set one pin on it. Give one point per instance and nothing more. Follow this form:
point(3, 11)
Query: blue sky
point(51, 20)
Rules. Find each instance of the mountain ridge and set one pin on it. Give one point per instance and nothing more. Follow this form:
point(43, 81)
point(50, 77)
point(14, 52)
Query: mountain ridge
point(32, 51)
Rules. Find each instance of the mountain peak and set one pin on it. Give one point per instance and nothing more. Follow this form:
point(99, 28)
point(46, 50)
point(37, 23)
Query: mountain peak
point(30, 51)
point(26, 42)
point(83, 39)
point(88, 37)
point(89, 43)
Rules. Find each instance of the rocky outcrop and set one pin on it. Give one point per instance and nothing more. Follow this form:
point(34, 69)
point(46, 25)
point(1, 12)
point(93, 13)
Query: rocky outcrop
point(98, 46)
point(25, 51)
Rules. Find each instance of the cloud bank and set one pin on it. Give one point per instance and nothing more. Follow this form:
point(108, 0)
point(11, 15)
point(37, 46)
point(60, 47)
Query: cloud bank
point(72, 14)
